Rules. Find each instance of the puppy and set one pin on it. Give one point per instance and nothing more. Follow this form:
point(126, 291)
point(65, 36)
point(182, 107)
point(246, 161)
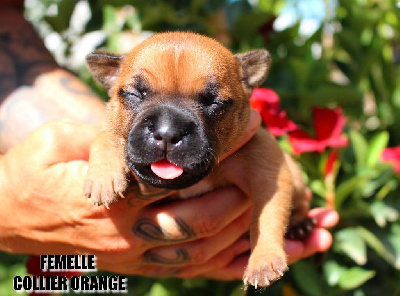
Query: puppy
point(178, 101)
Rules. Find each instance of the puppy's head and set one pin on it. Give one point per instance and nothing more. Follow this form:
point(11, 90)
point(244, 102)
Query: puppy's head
point(179, 101)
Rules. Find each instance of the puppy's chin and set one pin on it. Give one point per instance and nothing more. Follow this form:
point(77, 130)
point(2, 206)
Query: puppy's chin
point(146, 175)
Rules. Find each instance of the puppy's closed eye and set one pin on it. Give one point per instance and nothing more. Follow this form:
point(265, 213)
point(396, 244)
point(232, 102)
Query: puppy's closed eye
point(130, 94)
point(136, 93)
point(214, 105)
point(208, 98)
point(211, 102)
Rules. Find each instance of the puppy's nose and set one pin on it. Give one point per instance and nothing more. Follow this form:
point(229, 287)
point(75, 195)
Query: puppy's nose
point(166, 135)
point(169, 128)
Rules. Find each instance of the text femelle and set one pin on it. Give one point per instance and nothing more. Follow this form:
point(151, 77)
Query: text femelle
point(67, 262)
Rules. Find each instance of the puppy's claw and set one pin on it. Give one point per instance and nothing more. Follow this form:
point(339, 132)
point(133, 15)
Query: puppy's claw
point(262, 272)
point(246, 283)
point(267, 282)
point(280, 272)
point(101, 189)
point(87, 188)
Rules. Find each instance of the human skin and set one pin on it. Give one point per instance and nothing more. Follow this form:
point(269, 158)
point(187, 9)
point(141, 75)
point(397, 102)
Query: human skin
point(43, 209)
point(44, 212)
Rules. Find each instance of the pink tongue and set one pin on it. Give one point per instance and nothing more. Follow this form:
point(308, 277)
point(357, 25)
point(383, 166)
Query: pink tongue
point(166, 170)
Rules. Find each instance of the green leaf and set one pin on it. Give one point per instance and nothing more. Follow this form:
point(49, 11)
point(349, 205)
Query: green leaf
point(333, 272)
point(360, 147)
point(133, 22)
point(349, 242)
point(383, 177)
point(377, 144)
point(346, 188)
point(355, 277)
point(249, 24)
point(110, 23)
point(383, 213)
point(306, 277)
point(60, 22)
point(318, 187)
point(394, 240)
point(386, 113)
point(238, 291)
point(157, 289)
point(391, 185)
point(374, 243)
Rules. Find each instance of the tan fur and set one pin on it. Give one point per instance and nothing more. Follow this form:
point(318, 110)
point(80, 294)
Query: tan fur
point(181, 64)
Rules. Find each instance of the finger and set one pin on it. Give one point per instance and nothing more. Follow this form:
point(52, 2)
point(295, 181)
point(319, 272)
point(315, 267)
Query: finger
point(294, 250)
point(252, 127)
point(226, 265)
point(325, 218)
point(319, 240)
point(187, 220)
point(232, 271)
point(202, 251)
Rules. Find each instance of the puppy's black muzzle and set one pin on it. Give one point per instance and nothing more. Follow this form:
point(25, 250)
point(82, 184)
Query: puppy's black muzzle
point(173, 133)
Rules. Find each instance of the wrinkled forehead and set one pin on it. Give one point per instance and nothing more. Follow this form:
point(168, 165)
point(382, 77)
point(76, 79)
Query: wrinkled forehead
point(177, 68)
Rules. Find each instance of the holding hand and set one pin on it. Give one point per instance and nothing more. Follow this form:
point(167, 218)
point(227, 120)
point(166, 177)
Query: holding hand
point(44, 211)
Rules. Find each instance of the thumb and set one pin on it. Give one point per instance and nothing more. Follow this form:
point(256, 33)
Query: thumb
point(252, 127)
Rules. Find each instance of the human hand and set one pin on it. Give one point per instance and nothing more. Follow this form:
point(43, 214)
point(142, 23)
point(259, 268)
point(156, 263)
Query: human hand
point(44, 212)
point(319, 240)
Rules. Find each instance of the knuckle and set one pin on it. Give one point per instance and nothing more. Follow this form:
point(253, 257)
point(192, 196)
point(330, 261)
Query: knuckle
point(51, 130)
point(117, 246)
point(207, 225)
point(50, 133)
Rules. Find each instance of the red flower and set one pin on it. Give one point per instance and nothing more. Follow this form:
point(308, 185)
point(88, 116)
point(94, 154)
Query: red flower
point(328, 126)
point(330, 162)
point(266, 102)
point(392, 156)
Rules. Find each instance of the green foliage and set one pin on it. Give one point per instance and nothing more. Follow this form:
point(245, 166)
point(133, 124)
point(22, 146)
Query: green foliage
point(352, 61)
point(10, 266)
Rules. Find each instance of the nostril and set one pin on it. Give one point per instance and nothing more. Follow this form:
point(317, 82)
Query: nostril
point(158, 137)
point(167, 137)
point(175, 140)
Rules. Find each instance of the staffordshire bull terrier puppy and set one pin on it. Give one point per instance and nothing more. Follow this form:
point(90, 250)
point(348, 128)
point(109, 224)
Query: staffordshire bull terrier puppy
point(178, 101)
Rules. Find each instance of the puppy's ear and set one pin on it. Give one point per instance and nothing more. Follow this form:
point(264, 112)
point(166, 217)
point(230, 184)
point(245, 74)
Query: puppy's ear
point(104, 67)
point(254, 66)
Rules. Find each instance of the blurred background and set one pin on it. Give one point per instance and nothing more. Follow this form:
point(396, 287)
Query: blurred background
point(336, 71)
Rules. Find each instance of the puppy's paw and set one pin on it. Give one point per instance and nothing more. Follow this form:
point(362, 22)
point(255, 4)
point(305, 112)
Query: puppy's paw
point(262, 271)
point(302, 229)
point(105, 189)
